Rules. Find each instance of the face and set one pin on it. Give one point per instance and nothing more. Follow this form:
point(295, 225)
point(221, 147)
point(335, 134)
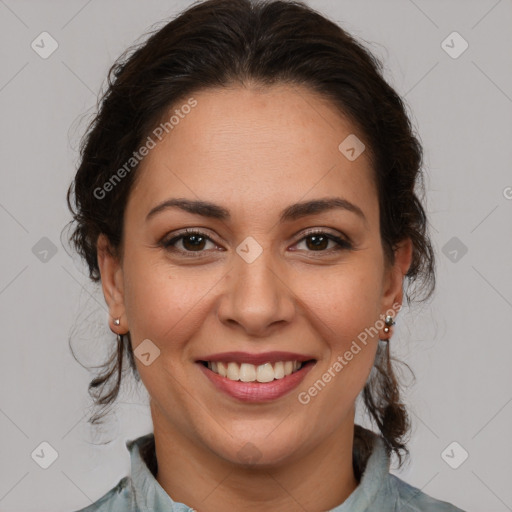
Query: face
point(256, 277)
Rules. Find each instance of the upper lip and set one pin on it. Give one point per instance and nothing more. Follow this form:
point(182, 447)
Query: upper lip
point(255, 359)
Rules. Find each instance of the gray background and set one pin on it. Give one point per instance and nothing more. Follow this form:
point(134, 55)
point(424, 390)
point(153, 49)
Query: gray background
point(459, 345)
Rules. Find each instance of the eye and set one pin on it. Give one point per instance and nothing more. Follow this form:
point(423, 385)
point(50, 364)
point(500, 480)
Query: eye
point(318, 241)
point(191, 241)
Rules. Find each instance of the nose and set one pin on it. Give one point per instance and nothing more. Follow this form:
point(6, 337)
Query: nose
point(257, 297)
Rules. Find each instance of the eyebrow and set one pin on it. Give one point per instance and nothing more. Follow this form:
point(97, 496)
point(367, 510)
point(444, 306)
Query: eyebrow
point(290, 213)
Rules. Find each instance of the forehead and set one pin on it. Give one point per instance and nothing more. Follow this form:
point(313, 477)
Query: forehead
point(256, 147)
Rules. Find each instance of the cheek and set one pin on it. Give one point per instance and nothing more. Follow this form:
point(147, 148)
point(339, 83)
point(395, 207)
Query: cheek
point(164, 302)
point(346, 300)
point(156, 297)
point(344, 310)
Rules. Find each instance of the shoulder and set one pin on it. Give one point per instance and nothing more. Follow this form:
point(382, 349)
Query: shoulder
point(118, 499)
point(412, 499)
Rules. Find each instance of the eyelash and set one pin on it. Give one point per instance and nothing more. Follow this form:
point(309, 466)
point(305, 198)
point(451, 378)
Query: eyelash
point(169, 244)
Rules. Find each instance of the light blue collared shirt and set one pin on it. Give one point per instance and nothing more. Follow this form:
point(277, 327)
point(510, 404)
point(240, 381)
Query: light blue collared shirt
point(378, 490)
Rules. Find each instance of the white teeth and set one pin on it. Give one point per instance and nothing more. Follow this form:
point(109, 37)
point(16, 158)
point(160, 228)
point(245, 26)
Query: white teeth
point(246, 372)
point(222, 369)
point(279, 370)
point(233, 371)
point(265, 373)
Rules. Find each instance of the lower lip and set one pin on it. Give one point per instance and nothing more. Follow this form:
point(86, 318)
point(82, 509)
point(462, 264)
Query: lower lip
point(257, 391)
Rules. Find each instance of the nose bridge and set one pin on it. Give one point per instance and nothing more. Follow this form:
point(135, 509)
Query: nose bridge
point(257, 295)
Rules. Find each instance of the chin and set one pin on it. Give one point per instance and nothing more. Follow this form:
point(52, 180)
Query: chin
point(261, 452)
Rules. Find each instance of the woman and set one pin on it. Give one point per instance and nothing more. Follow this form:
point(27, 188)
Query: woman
point(246, 198)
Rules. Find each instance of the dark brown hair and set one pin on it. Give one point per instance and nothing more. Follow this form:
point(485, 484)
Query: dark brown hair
point(218, 43)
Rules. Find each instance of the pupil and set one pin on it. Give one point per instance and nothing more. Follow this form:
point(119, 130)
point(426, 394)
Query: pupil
point(318, 241)
point(196, 241)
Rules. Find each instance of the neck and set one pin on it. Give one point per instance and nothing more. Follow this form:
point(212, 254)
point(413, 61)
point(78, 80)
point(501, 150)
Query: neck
point(194, 475)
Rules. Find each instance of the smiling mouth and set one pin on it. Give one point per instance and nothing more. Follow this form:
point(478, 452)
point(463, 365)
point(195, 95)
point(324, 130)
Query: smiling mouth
point(246, 372)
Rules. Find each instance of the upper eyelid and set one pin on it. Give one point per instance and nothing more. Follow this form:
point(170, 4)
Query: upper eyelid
point(204, 232)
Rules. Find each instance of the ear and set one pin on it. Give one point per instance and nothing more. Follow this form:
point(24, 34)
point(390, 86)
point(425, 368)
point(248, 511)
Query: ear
point(395, 273)
point(112, 284)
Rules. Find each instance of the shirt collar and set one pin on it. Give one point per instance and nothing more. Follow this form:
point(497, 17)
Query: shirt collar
point(150, 496)
point(373, 481)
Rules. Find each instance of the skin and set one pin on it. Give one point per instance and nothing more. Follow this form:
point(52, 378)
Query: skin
point(253, 151)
